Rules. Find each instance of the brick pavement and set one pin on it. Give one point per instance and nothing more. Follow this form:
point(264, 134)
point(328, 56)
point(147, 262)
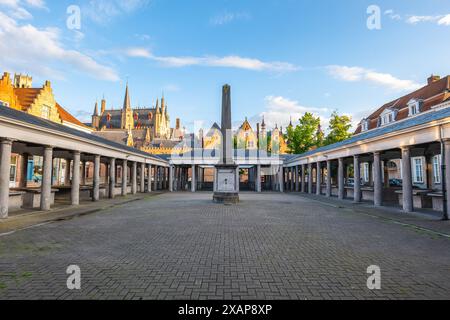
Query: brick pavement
point(183, 246)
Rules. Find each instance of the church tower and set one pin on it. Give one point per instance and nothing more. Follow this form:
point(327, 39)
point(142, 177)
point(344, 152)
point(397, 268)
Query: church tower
point(95, 117)
point(127, 112)
point(157, 124)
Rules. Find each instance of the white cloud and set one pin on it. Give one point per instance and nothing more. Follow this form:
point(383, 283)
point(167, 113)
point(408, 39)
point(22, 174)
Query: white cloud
point(353, 74)
point(26, 48)
point(391, 14)
point(278, 110)
point(213, 61)
point(445, 20)
point(21, 14)
point(36, 3)
point(229, 17)
point(103, 11)
point(418, 19)
point(10, 3)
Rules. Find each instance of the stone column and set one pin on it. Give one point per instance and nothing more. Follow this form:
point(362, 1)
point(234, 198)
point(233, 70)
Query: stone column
point(46, 184)
point(149, 178)
point(96, 184)
point(83, 173)
point(297, 182)
point(112, 178)
point(142, 177)
point(303, 183)
point(281, 179)
point(124, 177)
point(155, 179)
point(292, 185)
point(447, 174)
point(357, 178)
point(406, 180)
point(310, 178)
point(171, 178)
point(237, 179)
point(134, 178)
point(328, 192)
point(341, 185)
point(75, 189)
point(258, 178)
point(193, 180)
point(23, 170)
point(318, 179)
point(5, 167)
point(377, 180)
point(67, 173)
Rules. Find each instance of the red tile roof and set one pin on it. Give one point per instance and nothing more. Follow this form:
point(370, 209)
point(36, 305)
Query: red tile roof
point(432, 94)
point(66, 116)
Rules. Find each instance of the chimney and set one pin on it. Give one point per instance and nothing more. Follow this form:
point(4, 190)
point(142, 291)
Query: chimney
point(433, 78)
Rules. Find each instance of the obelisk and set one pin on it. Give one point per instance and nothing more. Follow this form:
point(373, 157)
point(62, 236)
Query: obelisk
point(227, 177)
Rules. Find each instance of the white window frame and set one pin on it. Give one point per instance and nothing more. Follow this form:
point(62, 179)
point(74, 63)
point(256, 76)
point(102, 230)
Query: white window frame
point(364, 125)
point(437, 168)
point(46, 114)
point(388, 116)
point(419, 179)
point(414, 107)
point(366, 174)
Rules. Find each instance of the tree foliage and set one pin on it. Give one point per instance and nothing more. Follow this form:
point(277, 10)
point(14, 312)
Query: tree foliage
point(308, 135)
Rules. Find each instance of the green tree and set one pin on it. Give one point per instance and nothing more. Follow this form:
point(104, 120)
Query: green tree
point(339, 128)
point(303, 137)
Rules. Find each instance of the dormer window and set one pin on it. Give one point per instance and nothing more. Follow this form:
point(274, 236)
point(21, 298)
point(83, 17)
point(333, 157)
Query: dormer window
point(387, 116)
point(364, 125)
point(414, 107)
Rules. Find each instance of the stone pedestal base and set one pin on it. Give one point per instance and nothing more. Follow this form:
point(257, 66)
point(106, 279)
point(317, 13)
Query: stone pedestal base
point(226, 182)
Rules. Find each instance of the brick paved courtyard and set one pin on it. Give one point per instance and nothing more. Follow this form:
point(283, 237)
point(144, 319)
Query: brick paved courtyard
point(182, 246)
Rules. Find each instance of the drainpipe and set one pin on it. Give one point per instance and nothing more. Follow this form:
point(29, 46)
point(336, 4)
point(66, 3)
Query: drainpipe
point(443, 177)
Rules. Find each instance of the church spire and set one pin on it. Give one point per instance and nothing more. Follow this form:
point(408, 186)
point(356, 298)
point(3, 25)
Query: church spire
point(96, 109)
point(157, 106)
point(126, 102)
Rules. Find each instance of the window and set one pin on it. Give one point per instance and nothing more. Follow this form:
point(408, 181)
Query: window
point(364, 125)
point(417, 170)
point(13, 172)
point(414, 107)
point(45, 112)
point(387, 116)
point(437, 169)
point(366, 176)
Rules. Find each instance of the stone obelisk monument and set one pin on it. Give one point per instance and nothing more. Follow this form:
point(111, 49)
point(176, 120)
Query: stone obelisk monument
point(226, 178)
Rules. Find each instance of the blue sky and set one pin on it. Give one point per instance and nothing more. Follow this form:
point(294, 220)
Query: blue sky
point(281, 57)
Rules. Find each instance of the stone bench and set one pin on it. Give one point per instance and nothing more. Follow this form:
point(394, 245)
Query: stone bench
point(420, 198)
point(15, 201)
point(32, 197)
point(437, 199)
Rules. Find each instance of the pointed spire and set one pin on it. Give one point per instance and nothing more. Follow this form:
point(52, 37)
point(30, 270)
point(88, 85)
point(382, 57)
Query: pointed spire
point(96, 109)
point(263, 124)
point(290, 122)
point(157, 106)
point(126, 102)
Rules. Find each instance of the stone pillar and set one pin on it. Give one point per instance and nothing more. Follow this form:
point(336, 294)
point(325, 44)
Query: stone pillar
point(328, 192)
point(96, 184)
point(258, 178)
point(406, 180)
point(5, 167)
point(357, 178)
point(124, 177)
point(46, 184)
point(142, 177)
point(281, 179)
point(134, 178)
point(297, 182)
point(310, 178)
point(303, 183)
point(171, 178)
point(155, 179)
point(23, 170)
point(447, 174)
point(75, 189)
point(318, 179)
point(193, 180)
point(238, 179)
point(112, 178)
point(291, 179)
point(377, 180)
point(149, 178)
point(67, 173)
point(341, 184)
point(83, 173)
